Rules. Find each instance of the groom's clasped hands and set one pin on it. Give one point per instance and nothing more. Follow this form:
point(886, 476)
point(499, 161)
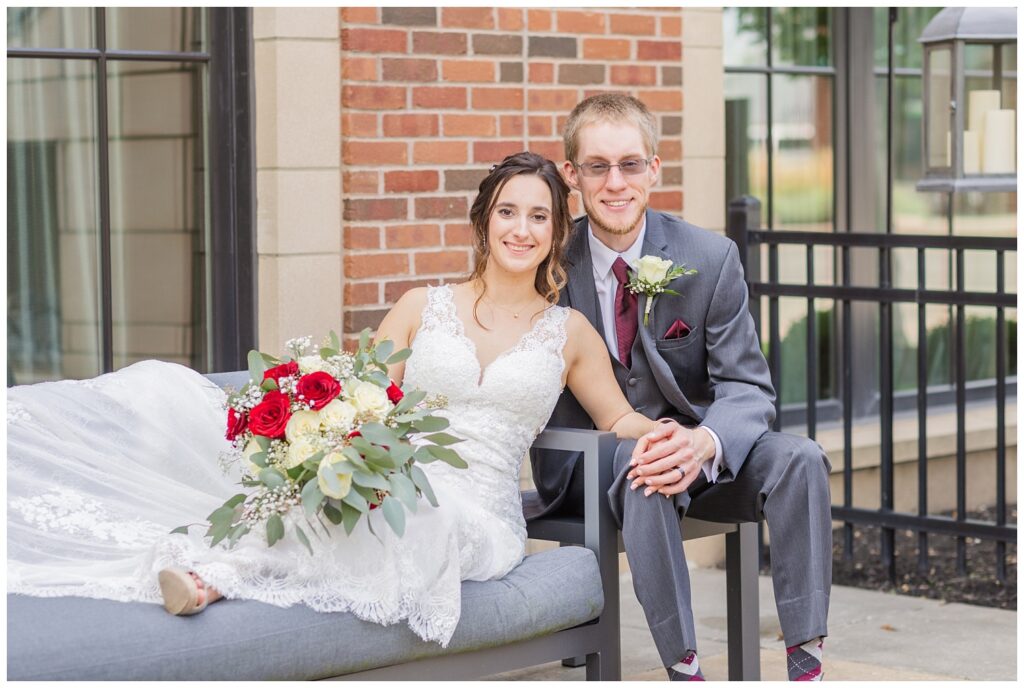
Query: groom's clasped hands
point(668, 459)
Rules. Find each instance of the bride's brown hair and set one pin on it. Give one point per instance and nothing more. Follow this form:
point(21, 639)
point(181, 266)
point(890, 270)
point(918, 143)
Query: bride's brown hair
point(551, 276)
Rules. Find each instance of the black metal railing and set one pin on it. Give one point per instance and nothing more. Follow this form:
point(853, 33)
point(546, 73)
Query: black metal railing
point(744, 228)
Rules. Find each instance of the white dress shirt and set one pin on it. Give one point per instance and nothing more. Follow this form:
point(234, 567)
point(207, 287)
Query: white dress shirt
point(605, 283)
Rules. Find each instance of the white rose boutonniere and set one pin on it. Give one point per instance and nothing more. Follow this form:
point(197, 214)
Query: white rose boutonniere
point(650, 275)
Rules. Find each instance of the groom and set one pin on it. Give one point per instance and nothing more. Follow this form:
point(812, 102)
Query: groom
point(696, 365)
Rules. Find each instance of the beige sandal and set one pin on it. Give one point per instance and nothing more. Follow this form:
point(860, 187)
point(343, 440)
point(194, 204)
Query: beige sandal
point(181, 591)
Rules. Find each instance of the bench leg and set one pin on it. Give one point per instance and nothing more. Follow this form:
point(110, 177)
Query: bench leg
point(743, 604)
point(573, 662)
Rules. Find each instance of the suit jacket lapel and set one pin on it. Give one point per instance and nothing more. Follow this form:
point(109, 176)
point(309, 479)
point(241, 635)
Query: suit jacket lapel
point(582, 293)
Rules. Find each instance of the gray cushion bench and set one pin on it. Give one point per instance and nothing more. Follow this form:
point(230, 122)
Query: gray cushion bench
point(560, 603)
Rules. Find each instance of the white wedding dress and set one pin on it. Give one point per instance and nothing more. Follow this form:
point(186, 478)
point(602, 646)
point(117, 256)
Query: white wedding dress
point(99, 471)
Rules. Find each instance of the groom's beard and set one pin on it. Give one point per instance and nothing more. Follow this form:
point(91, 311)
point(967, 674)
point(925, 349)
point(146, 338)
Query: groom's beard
point(620, 229)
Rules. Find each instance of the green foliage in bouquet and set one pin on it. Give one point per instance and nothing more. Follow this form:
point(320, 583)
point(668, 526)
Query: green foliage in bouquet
point(326, 437)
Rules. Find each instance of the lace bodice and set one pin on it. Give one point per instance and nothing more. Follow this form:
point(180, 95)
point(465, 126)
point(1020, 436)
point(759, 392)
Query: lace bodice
point(499, 410)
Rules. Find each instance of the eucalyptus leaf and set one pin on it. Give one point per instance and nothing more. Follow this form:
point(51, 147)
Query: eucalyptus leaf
point(268, 384)
point(304, 539)
point(270, 360)
point(404, 490)
point(394, 514)
point(353, 456)
point(263, 442)
point(368, 450)
point(236, 500)
point(295, 471)
point(420, 480)
point(364, 338)
point(383, 461)
point(379, 379)
point(257, 366)
point(259, 458)
point(180, 529)
point(312, 498)
point(327, 352)
point(431, 424)
point(374, 480)
point(378, 434)
point(349, 517)
point(673, 292)
point(401, 452)
point(407, 417)
point(443, 438)
point(333, 514)
point(356, 500)
point(272, 478)
point(410, 400)
point(275, 530)
point(335, 341)
point(222, 513)
point(384, 349)
point(447, 455)
point(399, 356)
point(423, 455)
point(237, 532)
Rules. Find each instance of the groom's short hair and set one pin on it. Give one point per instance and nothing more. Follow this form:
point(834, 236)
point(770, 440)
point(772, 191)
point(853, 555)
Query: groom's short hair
point(610, 107)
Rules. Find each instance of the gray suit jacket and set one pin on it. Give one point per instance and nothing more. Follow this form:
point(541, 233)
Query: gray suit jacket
point(715, 376)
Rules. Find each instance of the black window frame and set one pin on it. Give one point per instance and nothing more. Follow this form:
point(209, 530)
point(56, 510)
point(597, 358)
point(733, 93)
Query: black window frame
point(231, 176)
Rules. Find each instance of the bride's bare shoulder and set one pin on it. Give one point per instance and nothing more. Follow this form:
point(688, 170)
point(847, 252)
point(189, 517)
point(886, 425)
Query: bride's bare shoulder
point(580, 334)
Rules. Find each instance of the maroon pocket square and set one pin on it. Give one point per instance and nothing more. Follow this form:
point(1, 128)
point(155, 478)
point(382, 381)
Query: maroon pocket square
point(678, 330)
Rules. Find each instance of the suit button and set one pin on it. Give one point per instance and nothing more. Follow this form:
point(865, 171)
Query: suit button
point(632, 381)
point(719, 468)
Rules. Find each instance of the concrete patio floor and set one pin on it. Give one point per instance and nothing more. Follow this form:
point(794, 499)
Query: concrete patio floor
point(872, 636)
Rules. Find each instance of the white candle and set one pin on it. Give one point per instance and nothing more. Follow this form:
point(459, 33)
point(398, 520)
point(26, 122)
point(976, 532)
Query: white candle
point(978, 103)
point(999, 146)
point(972, 159)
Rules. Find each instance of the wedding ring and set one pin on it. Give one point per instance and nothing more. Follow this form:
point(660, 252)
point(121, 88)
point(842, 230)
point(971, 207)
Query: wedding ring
point(682, 473)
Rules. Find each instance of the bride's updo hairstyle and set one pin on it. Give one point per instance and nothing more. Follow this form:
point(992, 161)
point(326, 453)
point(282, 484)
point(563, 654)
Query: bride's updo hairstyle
point(551, 276)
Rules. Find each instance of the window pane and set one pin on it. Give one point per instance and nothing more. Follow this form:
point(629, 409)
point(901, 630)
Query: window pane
point(940, 75)
point(914, 212)
point(158, 227)
point(802, 36)
point(174, 29)
point(802, 172)
point(746, 131)
point(53, 286)
point(745, 30)
point(910, 23)
point(50, 27)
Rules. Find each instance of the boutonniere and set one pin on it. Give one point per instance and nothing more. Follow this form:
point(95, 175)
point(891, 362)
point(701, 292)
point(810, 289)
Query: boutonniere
point(650, 275)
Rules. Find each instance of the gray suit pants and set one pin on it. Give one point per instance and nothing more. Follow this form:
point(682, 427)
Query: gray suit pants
point(783, 481)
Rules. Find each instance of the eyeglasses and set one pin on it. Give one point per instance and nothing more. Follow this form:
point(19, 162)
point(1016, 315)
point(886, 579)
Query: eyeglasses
point(627, 167)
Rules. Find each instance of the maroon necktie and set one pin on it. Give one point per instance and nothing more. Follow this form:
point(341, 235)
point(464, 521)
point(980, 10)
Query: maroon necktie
point(625, 312)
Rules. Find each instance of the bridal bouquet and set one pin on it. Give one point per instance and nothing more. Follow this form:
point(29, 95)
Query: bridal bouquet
point(323, 433)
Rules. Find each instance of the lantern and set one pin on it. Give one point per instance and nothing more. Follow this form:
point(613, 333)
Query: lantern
point(970, 93)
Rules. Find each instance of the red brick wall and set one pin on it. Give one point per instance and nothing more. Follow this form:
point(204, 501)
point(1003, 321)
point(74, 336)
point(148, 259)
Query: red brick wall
point(432, 97)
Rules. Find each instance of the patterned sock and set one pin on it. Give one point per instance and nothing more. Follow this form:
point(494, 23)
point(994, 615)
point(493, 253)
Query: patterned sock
point(686, 669)
point(803, 662)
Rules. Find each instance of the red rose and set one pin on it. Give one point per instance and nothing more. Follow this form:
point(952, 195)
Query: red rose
point(236, 423)
point(395, 393)
point(271, 415)
point(318, 389)
point(354, 433)
point(283, 370)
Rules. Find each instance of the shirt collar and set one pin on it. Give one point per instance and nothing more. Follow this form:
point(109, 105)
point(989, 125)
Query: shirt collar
point(602, 257)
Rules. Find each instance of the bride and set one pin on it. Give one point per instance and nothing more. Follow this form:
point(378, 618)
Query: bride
point(100, 470)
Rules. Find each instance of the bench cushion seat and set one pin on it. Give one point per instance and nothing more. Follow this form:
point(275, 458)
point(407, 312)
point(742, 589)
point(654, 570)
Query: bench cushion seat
point(73, 638)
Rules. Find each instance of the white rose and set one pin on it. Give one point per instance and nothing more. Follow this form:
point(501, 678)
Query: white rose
point(327, 464)
point(299, 450)
point(337, 415)
point(369, 398)
point(311, 364)
point(302, 423)
point(652, 269)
